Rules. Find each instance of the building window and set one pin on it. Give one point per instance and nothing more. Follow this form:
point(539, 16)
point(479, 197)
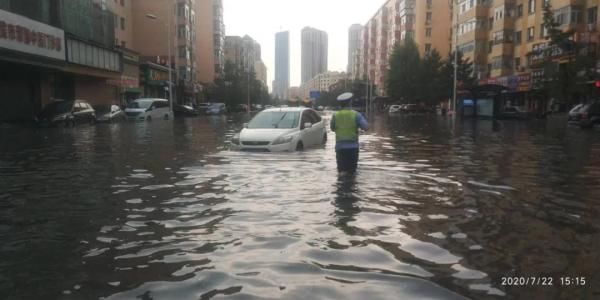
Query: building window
point(428, 18)
point(183, 73)
point(592, 15)
point(530, 33)
point(182, 50)
point(531, 8)
point(122, 2)
point(181, 9)
point(428, 32)
point(503, 36)
point(499, 13)
point(429, 3)
point(122, 23)
point(517, 63)
point(427, 48)
point(519, 10)
point(502, 62)
point(123, 44)
point(518, 38)
point(543, 31)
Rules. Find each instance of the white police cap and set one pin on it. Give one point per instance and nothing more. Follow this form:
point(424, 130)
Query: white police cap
point(345, 97)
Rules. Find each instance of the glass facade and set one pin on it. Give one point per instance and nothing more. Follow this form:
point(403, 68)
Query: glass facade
point(88, 21)
point(34, 9)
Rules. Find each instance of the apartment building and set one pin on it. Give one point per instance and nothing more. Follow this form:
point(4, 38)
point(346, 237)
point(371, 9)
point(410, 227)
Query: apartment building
point(245, 53)
point(354, 33)
point(153, 21)
point(504, 39)
point(427, 22)
point(321, 83)
point(314, 52)
point(282, 64)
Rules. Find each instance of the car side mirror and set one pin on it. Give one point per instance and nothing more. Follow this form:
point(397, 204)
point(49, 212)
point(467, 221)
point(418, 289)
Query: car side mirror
point(245, 125)
point(307, 125)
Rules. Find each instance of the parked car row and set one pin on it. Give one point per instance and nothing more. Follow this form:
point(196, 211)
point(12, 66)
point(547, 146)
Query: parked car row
point(585, 115)
point(67, 113)
point(409, 108)
point(515, 113)
point(72, 112)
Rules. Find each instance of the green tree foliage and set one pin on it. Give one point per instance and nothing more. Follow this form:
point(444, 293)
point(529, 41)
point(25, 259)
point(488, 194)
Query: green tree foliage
point(429, 79)
point(235, 84)
point(567, 80)
point(403, 74)
point(464, 72)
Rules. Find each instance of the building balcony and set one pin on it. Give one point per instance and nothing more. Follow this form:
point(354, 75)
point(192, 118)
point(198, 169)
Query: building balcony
point(503, 49)
point(480, 11)
point(478, 34)
point(504, 24)
point(502, 72)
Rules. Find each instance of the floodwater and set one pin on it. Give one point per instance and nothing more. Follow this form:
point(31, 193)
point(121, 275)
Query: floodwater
point(439, 209)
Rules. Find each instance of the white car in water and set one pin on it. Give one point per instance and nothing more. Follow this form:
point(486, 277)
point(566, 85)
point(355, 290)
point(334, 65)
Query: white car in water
point(148, 109)
point(281, 129)
point(395, 109)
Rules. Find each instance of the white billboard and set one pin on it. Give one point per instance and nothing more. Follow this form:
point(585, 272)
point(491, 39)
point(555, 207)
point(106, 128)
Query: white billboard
point(22, 34)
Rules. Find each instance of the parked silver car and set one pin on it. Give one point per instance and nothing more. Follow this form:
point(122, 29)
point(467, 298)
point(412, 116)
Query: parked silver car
point(109, 113)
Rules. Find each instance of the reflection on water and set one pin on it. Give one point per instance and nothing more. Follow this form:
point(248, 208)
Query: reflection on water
point(438, 210)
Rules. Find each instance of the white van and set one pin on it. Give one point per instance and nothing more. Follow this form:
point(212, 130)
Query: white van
point(148, 109)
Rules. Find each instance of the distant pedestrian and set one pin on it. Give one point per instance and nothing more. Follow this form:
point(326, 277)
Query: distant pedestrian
point(345, 123)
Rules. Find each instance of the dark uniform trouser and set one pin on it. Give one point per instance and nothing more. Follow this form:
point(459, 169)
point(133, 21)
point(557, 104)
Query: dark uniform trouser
point(347, 160)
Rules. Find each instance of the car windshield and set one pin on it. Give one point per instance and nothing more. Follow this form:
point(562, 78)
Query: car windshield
point(275, 119)
point(576, 108)
point(140, 104)
point(57, 108)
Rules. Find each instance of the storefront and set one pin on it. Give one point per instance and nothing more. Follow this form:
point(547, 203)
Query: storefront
point(31, 56)
point(154, 81)
point(520, 90)
point(128, 85)
point(91, 69)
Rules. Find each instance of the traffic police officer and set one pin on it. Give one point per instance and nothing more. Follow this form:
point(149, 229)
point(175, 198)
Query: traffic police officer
point(345, 123)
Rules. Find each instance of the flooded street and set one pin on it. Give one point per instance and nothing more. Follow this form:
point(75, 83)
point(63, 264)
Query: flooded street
point(438, 210)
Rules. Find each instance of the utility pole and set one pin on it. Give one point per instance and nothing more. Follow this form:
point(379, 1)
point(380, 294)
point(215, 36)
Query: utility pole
point(248, 78)
point(455, 26)
point(367, 93)
point(169, 45)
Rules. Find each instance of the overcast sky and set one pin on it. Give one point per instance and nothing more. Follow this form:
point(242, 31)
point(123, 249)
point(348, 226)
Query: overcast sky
point(261, 19)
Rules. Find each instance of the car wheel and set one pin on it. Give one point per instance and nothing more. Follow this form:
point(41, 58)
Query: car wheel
point(92, 121)
point(300, 146)
point(148, 118)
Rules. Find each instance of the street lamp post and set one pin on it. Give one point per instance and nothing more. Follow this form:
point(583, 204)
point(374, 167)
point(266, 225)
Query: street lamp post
point(455, 26)
point(248, 79)
point(169, 44)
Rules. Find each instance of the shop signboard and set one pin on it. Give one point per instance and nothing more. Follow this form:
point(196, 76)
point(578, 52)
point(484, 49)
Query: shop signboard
point(156, 77)
point(22, 34)
point(126, 82)
point(514, 83)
